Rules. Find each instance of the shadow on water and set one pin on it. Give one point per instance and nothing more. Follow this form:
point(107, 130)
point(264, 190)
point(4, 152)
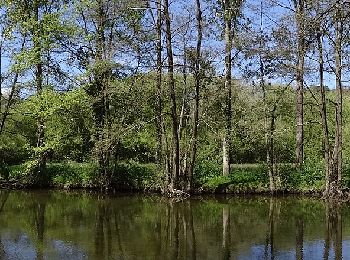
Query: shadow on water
point(83, 225)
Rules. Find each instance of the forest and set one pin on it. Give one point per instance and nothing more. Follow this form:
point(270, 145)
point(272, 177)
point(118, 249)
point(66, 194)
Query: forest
point(176, 96)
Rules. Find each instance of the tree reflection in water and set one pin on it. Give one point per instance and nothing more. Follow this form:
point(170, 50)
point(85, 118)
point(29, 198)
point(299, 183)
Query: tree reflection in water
point(78, 225)
point(333, 236)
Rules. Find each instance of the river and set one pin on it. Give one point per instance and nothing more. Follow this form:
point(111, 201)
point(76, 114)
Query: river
point(50, 224)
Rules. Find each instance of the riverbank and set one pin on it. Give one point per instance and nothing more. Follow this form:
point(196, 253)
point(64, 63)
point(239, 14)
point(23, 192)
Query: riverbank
point(133, 176)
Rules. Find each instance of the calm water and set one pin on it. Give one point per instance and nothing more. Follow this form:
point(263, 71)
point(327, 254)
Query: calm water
point(82, 225)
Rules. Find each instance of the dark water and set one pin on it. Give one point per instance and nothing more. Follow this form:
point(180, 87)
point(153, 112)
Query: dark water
point(81, 225)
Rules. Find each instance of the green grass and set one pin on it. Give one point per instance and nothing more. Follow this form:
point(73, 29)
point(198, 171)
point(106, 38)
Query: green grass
point(126, 175)
point(72, 174)
point(253, 178)
point(130, 175)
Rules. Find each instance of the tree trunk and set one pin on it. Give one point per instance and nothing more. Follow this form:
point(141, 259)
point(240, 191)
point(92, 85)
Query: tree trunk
point(271, 151)
point(269, 117)
point(6, 110)
point(9, 103)
point(98, 91)
point(159, 95)
point(226, 145)
point(337, 154)
point(39, 86)
point(182, 121)
point(333, 177)
point(323, 111)
point(198, 78)
point(171, 82)
point(300, 16)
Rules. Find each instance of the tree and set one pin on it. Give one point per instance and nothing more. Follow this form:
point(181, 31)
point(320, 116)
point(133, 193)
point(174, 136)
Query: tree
point(231, 11)
point(175, 166)
point(300, 21)
point(198, 78)
point(106, 31)
point(37, 22)
point(333, 159)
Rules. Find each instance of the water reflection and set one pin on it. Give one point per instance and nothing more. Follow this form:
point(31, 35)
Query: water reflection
point(82, 225)
point(333, 236)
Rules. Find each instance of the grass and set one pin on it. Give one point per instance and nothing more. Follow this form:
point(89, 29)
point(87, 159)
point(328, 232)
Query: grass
point(244, 178)
point(126, 175)
point(253, 178)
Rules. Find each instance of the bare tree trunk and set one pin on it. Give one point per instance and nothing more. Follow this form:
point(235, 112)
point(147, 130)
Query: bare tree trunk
point(171, 82)
point(269, 138)
point(198, 78)
point(9, 103)
point(182, 121)
point(337, 154)
point(159, 101)
point(335, 161)
point(323, 110)
point(226, 145)
point(300, 16)
point(271, 151)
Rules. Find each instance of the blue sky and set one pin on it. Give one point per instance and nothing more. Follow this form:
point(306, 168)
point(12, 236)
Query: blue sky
point(182, 10)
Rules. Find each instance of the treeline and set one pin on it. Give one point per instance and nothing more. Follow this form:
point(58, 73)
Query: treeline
point(177, 83)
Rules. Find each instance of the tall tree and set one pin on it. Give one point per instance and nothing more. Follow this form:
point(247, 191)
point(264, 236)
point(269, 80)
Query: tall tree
point(37, 23)
point(105, 31)
point(323, 104)
point(175, 166)
point(197, 78)
point(37, 40)
point(231, 9)
point(332, 155)
point(337, 153)
point(159, 90)
point(300, 22)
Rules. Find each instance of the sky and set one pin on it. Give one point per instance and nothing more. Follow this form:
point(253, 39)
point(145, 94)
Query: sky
point(182, 10)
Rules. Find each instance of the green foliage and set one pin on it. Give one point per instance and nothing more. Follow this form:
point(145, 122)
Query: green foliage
point(243, 178)
point(135, 176)
point(67, 174)
point(72, 174)
point(67, 133)
point(310, 177)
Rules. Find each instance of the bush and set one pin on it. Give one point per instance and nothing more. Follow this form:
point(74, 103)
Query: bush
point(73, 174)
point(132, 175)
